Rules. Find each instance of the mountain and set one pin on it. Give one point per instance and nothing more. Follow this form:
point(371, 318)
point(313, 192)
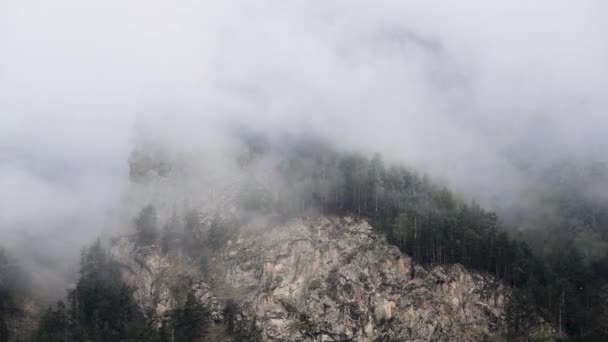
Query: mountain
point(319, 279)
point(308, 244)
point(292, 240)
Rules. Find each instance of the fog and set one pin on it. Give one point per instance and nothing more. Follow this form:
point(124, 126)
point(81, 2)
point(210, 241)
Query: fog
point(465, 91)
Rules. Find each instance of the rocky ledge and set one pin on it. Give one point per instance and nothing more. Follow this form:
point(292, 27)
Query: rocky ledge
point(322, 279)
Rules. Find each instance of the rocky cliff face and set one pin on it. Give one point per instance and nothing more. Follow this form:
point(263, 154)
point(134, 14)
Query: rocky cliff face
point(321, 279)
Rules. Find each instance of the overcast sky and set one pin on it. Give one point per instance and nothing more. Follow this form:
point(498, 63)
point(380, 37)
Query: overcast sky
point(459, 89)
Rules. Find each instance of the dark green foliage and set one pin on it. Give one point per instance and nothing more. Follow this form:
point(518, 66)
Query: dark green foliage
point(519, 313)
point(567, 226)
point(188, 322)
point(193, 238)
point(561, 274)
point(558, 270)
point(54, 325)
point(247, 331)
point(146, 225)
point(101, 307)
point(425, 220)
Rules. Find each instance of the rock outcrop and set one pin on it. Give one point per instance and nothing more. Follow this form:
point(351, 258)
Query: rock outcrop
point(321, 279)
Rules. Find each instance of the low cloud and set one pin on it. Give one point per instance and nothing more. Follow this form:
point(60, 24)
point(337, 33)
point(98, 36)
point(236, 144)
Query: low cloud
point(468, 92)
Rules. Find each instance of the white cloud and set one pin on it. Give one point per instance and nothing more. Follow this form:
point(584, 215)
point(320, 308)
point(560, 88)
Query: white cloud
point(452, 87)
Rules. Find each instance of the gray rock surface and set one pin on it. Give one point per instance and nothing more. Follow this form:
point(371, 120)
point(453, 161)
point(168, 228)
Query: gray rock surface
point(322, 279)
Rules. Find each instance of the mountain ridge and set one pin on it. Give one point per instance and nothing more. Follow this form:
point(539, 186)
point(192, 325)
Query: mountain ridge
point(324, 279)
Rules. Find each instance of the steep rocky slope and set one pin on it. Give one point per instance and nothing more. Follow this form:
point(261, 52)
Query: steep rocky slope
point(321, 279)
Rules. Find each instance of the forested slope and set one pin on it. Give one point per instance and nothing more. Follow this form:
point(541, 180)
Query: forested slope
point(556, 272)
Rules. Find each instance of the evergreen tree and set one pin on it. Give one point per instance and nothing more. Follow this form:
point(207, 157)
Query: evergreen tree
point(558, 271)
point(519, 313)
point(189, 321)
point(54, 325)
point(101, 307)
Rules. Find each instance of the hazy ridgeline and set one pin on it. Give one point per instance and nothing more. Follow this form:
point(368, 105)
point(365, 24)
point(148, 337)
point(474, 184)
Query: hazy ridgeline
point(560, 277)
point(108, 107)
point(459, 92)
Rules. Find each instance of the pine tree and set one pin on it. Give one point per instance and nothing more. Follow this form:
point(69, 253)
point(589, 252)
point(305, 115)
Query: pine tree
point(101, 307)
point(190, 320)
point(519, 313)
point(54, 325)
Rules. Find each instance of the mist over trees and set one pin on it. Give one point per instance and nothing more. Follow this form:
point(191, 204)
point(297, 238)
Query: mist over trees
point(557, 271)
point(504, 100)
point(146, 226)
point(99, 308)
point(553, 254)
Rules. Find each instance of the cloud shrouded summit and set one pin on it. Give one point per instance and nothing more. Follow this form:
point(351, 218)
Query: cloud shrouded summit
point(463, 92)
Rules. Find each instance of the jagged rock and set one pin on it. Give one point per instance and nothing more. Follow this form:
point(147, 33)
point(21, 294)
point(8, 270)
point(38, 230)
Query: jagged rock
point(324, 279)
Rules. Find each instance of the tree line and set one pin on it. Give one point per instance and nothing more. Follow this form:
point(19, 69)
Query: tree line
point(434, 226)
point(101, 308)
point(557, 271)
